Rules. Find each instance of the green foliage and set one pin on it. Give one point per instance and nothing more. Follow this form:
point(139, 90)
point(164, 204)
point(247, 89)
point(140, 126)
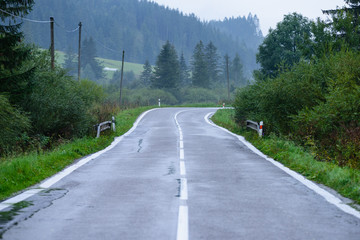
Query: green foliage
point(333, 126)
point(315, 103)
point(201, 95)
point(20, 172)
point(285, 45)
point(92, 67)
point(344, 180)
point(142, 27)
point(13, 124)
point(167, 70)
point(149, 97)
point(146, 74)
point(200, 73)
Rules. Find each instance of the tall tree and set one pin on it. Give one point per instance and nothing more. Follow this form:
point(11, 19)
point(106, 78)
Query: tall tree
point(237, 71)
point(212, 59)
point(184, 72)
point(89, 61)
point(285, 45)
point(146, 74)
point(13, 53)
point(167, 70)
point(200, 74)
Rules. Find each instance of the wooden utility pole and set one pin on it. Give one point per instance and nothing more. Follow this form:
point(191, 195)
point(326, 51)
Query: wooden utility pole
point(227, 75)
point(52, 44)
point(79, 53)
point(122, 74)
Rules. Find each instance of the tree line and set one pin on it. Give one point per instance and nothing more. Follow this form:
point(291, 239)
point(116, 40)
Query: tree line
point(307, 88)
point(204, 72)
point(40, 106)
point(141, 28)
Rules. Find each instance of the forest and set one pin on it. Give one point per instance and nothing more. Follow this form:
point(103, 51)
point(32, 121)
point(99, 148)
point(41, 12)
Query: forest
point(141, 28)
point(308, 88)
point(42, 105)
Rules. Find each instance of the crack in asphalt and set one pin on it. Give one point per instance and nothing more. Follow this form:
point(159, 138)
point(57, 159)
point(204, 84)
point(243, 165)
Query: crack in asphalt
point(25, 210)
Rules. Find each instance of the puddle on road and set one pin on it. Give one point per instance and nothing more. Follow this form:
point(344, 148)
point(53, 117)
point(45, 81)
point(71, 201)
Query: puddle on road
point(26, 209)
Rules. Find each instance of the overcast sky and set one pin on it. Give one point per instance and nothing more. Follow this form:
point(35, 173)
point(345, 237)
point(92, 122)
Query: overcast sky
point(268, 11)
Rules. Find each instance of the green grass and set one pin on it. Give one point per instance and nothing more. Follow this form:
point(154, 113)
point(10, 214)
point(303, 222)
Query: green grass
point(345, 181)
point(21, 172)
point(128, 66)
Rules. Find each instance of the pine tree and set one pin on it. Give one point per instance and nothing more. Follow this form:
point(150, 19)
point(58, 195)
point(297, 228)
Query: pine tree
point(200, 77)
point(212, 59)
point(13, 53)
point(167, 70)
point(184, 72)
point(146, 74)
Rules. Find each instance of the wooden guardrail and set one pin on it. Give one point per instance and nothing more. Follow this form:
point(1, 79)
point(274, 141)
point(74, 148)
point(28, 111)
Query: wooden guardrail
point(105, 126)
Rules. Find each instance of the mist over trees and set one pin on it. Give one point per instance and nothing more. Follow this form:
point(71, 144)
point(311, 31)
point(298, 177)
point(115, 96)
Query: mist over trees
point(141, 28)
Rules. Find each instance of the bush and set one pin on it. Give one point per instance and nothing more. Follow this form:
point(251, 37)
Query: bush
point(201, 95)
point(13, 124)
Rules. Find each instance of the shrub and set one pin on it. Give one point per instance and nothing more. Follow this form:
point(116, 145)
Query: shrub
point(13, 124)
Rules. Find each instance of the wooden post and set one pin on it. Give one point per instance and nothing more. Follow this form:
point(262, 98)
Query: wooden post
point(227, 75)
point(79, 53)
point(122, 74)
point(52, 44)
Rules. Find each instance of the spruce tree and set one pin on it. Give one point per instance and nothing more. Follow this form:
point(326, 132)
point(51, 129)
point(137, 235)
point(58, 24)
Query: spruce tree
point(146, 74)
point(200, 77)
point(14, 76)
point(167, 70)
point(212, 59)
point(184, 72)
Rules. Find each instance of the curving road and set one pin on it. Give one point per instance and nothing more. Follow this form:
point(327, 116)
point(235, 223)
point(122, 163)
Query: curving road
point(175, 176)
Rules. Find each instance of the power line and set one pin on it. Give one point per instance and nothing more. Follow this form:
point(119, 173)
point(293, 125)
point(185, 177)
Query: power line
point(68, 31)
point(103, 45)
point(22, 18)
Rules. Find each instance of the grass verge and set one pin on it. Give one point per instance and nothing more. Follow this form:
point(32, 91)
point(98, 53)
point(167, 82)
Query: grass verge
point(21, 172)
point(345, 181)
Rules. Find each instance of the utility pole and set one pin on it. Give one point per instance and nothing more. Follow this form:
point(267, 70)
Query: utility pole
point(52, 44)
point(122, 74)
point(227, 75)
point(79, 53)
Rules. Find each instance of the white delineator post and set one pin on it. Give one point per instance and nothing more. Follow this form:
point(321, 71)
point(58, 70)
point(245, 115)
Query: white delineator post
point(159, 103)
point(113, 124)
point(223, 105)
point(261, 129)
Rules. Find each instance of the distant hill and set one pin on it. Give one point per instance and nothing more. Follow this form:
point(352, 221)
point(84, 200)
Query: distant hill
point(140, 27)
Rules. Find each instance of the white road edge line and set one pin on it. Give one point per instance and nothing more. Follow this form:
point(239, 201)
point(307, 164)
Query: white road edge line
point(57, 177)
point(325, 194)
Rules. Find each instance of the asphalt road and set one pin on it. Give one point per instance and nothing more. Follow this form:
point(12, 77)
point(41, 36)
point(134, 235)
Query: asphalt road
point(177, 177)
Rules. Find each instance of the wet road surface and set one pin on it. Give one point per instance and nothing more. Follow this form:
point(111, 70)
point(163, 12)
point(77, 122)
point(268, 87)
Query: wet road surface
point(177, 177)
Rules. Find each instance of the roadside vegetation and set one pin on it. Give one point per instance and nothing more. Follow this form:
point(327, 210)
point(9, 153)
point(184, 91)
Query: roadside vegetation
point(308, 87)
point(25, 170)
point(344, 180)
point(307, 93)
